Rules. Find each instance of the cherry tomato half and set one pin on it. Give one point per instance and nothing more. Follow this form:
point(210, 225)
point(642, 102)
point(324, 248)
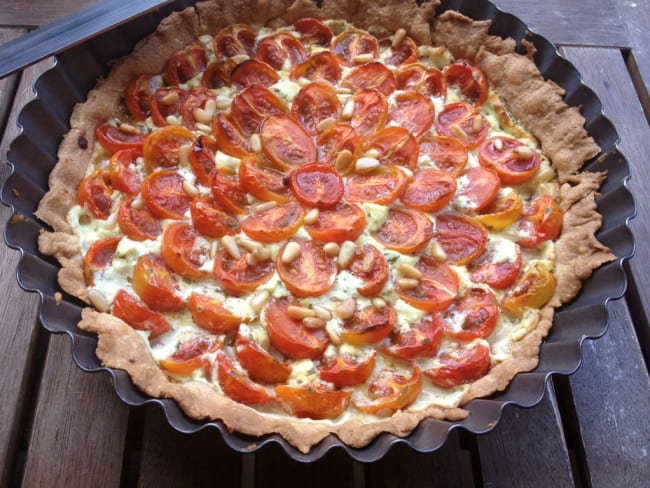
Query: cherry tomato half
point(229, 138)
point(164, 194)
point(201, 158)
point(181, 252)
point(210, 220)
point(185, 64)
point(473, 315)
point(286, 143)
point(137, 96)
point(114, 139)
point(217, 73)
point(540, 221)
point(94, 194)
point(514, 162)
point(405, 52)
point(477, 188)
point(335, 139)
point(129, 309)
point(311, 274)
point(155, 285)
point(406, 230)
point(228, 191)
point(99, 256)
point(413, 111)
point(369, 325)
point(238, 276)
point(446, 153)
point(275, 224)
point(370, 111)
point(390, 391)
point(314, 400)
point(278, 49)
point(430, 190)
point(161, 147)
point(395, 145)
point(370, 265)
point(260, 364)
point(316, 185)
point(237, 385)
point(346, 369)
point(504, 210)
point(313, 31)
point(210, 314)
point(350, 45)
point(345, 222)
point(534, 288)
point(189, 355)
point(122, 175)
point(251, 106)
point(437, 288)
point(259, 177)
point(461, 364)
point(461, 237)
point(498, 271)
point(381, 186)
point(421, 340)
point(462, 121)
point(253, 72)
point(470, 81)
point(315, 103)
point(427, 81)
point(234, 40)
point(319, 67)
point(138, 224)
point(166, 102)
point(370, 76)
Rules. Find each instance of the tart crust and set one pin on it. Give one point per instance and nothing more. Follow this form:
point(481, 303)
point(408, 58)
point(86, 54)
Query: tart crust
point(534, 102)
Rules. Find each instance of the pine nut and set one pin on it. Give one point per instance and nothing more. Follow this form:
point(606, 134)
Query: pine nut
point(256, 143)
point(296, 312)
point(524, 152)
point(378, 303)
point(203, 128)
point(314, 322)
point(311, 217)
point(128, 128)
point(184, 154)
point(291, 252)
point(250, 259)
point(210, 107)
point(458, 131)
point(371, 153)
point(322, 312)
point(98, 300)
point(477, 124)
point(368, 262)
point(222, 103)
point(399, 36)
point(205, 39)
point(348, 110)
point(498, 145)
point(437, 252)
point(325, 124)
point(363, 58)
point(170, 98)
point(346, 254)
point(410, 271)
point(202, 116)
point(230, 245)
point(302, 81)
point(138, 203)
point(286, 64)
point(332, 249)
point(110, 222)
point(173, 120)
point(247, 243)
point(343, 160)
point(333, 334)
point(341, 90)
point(407, 283)
point(366, 165)
point(214, 248)
point(190, 189)
point(240, 58)
point(258, 301)
point(264, 206)
point(346, 308)
point(261, 254)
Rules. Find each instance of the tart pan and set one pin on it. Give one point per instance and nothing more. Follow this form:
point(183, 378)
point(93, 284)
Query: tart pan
point(44, 121)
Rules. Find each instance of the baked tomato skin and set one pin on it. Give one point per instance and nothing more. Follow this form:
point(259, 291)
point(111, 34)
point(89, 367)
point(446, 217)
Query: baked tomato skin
point(253, 72)
point(129, 309)
point(389, 391)
point(480, 311)
point(185, 64)
point(260, 364)
point(275, 224)
point(414, 112)
point(286, 143)
point(369, 325)
point(461, 365)
point(345, 222)
point(234, 40)
point(346, 369)
point(210, 220)
point(370, 76)
point(405, 52)
point(462, 121)
point(372, 270)
point(315, 103)
point(314, 400)
point(237, 385)
point(514, 162)
point(313, 31)
point(462, 238)
point(95, 193)
point(228, 191)
point(469, 80)
point(427, 81)
point(251, 106)
point(161, 147)
point(318, 67)
point(311, 273)
point(422, 339)
point(180, 251)
point(502, 212)
point(381, 186)
point(138, 224)
point(430, 190)
point(446, 153)
point(350, 44)
point(122, 176)
point(395, 145)
point(541, 220)
point(137, 96)
point(114, 139)
point(370, 111)
point(237, 276)
point(189, 356)
point(276, 49)
point(99, 256)
point(479, 189)
point(316, 185)
point(406, 230)
point(534, 288)
point(335, 139)
point(259, 177)
point(289, 335)
point(164, 195)
point(229, 138)
point(497, 274)
point(210, 314)
point(155, 285)
point(165, 102)
point(437, 288)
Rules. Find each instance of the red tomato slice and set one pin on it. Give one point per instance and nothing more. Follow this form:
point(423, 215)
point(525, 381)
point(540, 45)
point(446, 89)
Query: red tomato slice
point(540, 221)
point(252, 106)
point(437, 289)
point(165, 102)
point(114, 139)
point(99, 256)
point(370, 111)
point(319, 67)
point(155, 285)
point(370, 76)
point(477, 310)
point(189, 356)
point(406, 52)
point(201, 158)
point(421, 340)
point(405, 230)
point(94, 194)
point(427, 81)
point(382, 186)
point(374, 276)
point(237, 386)
point(217, 74)
point(337, 138)
point(237, 276)
point(290, 336)
point(162, 146)
point(446, 153)
point(276, 49)
point(259, 363)
point(314, 401)
point(315, 103)
point(137, 223)
point(181, 252)
point(369, 325)
point(185, 64)
point(129, 309)
point(413, 111)
point(164, 194)
point(196, 98)
point(390, 391)
point(513, 165)
point(123, 177)
point(478, 187)
point(263, 180)
point(228, 191)
point(313, 31)
point(210, 314)
point(346, 222)
point(395, 146)
point(462, 364)
point(234, 40)
point(462, 238)
point(276, 224)
point(253, 72)
point(471, 81)
point(462, 121)
point(499, 274)
point(430, 190)
point(211, 220)
point(316, 185)
point(286, 143)
point(346, 370)
point(229, 139)
point(137, 96)
point(349, 45)
point(311, 274)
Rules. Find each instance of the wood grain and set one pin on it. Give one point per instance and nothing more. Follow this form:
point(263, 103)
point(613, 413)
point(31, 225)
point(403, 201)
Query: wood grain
point(636, 16)
point(36, 13)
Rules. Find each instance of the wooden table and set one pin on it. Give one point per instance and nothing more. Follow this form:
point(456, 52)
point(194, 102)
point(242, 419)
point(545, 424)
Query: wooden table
point(60, 426)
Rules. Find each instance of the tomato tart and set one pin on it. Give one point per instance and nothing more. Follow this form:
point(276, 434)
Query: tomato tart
point(310, 219)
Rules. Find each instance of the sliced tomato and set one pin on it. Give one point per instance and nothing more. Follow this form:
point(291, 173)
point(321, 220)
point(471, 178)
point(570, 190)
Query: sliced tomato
point(405, 230)
point(395, 145)
point(210, 314)
point(405, 52)
point(99, 256)
point(370, 111)
point(337, 138)
point(514, 162)
point(237, 385)
point(497, 271)
point(369, 325)
point(228, 191)
point(162, 146)
point(350, 44)
point(430, 190)
point(313, 31)
point(446, 153)
point(389, 391)
point(374, 276)
point(253, 72)
point(381, 186)
point(286, 143)
point(473, 315)
point(275, 224)
point(129, 309)
point(346, 222)
point(164, 194)
point(263, 180)
point(261, 365)
point(165, 102)
point(541, 220)
point(237, 276)
point(114, 139)
point(185, 64)
point(234, 40)
point(155, 285)
point(314, 400)
point(421, 340)
point(251, 106)
point(195, 99)
point(279, 48)
point(201, 158)
point(211, 220)
point(123, 176)
point(316, 185)
point(321, 66)
point(217, 73)
point(94, 194)
point(437, 287)
point(289, 335)
point(137, 224)
point(427, 81)
point(229, 139)
point(346, 369)
point(461, 364)
point(462, 238)
point(413, 111)
point(313, 104)
point(503, 211)
point(469, 80)
point(533, 289)
point(138, 93)
point(182, 252)
point(189, 355)
point(462, 121)
point(311, 274)
point(370, 76)
point(478, 187)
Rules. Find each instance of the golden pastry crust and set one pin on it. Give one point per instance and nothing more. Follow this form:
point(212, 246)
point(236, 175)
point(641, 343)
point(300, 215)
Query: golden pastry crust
point(537, 104)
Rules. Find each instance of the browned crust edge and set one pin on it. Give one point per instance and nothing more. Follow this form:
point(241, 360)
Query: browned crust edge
point(515, 78)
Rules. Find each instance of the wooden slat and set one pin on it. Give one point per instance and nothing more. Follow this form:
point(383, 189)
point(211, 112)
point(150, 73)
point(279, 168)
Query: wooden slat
point(36, 13)
point(79, 426)
point(636, 16)
point(527, 448)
